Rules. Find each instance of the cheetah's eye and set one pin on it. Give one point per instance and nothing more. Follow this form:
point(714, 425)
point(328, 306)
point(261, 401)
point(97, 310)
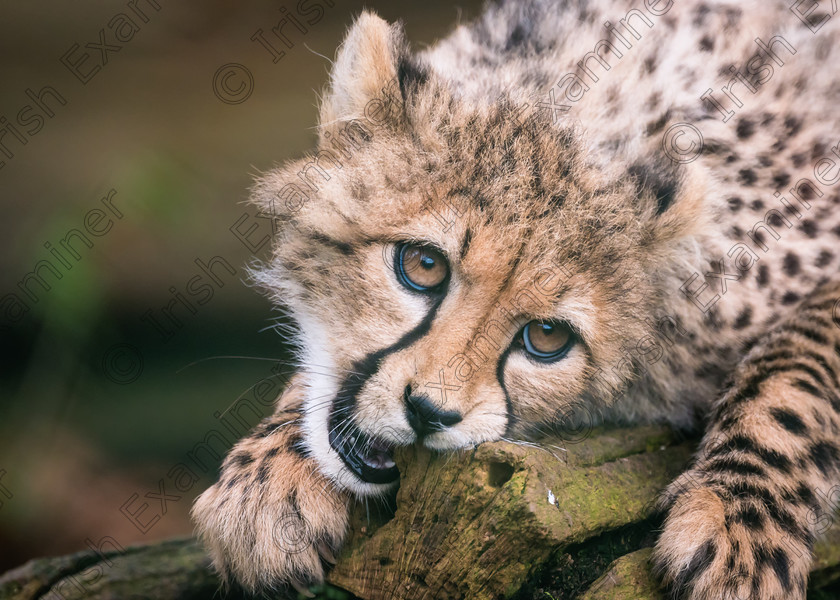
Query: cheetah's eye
point(547, 341)
point(420, 268)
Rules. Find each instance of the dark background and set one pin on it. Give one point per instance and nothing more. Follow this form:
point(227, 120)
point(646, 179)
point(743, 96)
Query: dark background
point(98, 406)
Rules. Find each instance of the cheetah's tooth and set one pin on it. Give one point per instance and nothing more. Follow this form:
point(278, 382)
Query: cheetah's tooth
point(326, 553)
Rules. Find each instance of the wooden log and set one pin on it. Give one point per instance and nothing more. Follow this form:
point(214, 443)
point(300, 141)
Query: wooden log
point(500, 521)
point(171, 570)
point(491, 522)
point(479, 525)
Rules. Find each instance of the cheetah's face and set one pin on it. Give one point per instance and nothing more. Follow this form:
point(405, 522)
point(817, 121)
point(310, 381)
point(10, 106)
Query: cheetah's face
point(455, 276)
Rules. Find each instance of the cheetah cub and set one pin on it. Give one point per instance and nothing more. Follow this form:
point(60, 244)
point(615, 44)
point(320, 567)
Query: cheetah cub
point(629, 208)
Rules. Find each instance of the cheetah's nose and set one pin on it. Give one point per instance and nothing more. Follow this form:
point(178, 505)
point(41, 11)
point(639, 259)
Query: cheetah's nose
point(424, 417)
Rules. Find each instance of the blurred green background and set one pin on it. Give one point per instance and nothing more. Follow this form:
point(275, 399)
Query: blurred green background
point(96, 406)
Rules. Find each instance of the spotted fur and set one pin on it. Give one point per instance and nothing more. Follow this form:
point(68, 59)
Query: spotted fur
point(703, 291)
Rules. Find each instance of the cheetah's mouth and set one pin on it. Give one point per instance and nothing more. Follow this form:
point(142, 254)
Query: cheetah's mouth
point(370, 459)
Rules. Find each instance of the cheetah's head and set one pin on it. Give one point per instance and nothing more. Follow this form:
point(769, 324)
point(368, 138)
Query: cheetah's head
point(455, 274)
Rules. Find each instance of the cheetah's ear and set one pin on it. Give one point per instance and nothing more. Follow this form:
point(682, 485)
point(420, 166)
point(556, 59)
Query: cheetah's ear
point(367, 76)
point(674, 198)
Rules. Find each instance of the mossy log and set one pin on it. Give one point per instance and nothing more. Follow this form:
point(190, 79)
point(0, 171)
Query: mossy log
point(171, 570)
point(480, 524)
point(567, 520)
